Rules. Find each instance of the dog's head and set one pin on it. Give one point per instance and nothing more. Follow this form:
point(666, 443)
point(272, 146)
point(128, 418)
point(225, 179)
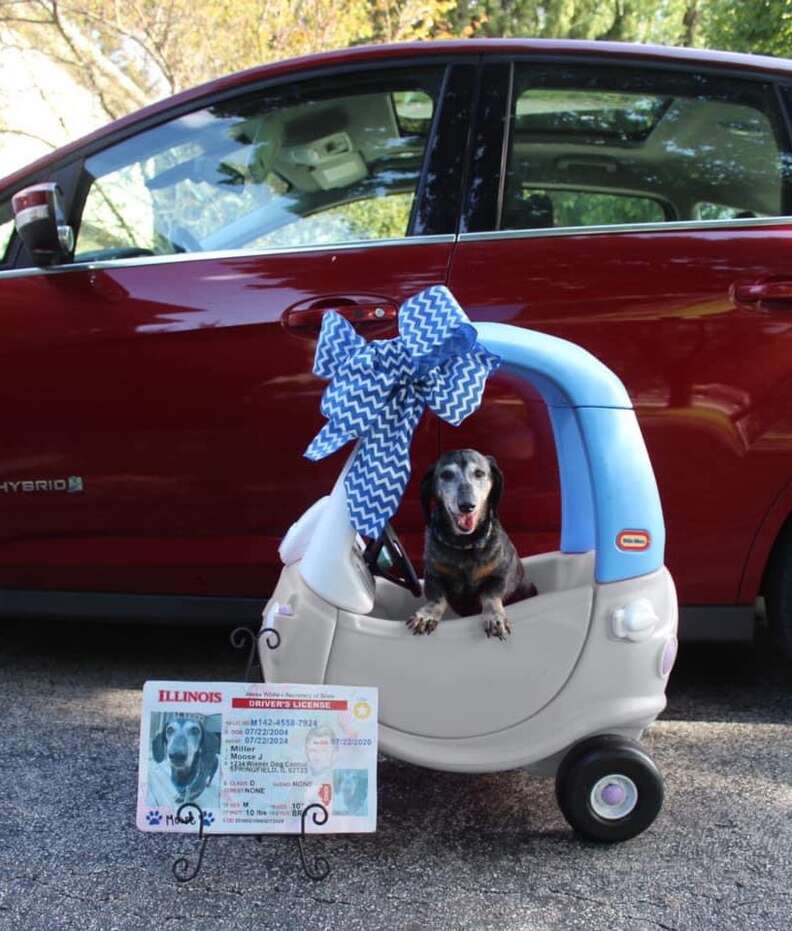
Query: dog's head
point(180, 739)
point(466, 486)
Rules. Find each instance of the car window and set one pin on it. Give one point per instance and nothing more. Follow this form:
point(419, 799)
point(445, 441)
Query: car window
point(545, 207)
point(593, 147)
point(316, 166)
point(709, 211)
point(355, 221)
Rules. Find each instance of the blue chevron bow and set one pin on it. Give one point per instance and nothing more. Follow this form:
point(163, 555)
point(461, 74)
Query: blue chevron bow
point(378, 392)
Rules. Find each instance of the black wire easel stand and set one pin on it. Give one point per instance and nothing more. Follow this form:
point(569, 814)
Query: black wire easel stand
point(317, 870)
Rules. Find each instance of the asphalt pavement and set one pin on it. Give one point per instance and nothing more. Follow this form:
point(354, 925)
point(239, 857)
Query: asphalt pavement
point(451, 851)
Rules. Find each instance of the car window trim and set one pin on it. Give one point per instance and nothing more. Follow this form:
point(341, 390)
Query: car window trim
point(666, 226)
point(228, 254)
point(603, 60)
point(506, 136)
point(670, 227)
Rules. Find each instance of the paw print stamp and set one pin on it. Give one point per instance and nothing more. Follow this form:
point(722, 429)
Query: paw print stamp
point(153, 818)
point(208, 819)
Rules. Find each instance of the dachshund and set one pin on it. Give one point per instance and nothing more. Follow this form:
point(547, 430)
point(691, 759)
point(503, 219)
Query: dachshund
point(192, 751)
point(470, 564)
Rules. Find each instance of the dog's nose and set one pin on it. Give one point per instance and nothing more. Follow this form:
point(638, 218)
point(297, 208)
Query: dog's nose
point(466, 507)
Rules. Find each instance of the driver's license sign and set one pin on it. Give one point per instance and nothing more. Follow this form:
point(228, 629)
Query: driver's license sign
point(249, 758)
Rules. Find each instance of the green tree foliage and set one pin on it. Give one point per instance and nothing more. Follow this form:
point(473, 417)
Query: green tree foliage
point(761, 26)
point(758, 26)
point(671, 22)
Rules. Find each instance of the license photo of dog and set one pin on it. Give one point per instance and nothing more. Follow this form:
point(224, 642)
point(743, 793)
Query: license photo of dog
point(185, 748)
point(470, 564)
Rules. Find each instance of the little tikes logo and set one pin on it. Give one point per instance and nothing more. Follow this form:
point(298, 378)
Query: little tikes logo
point(182, 695)
point(633, 541)
point(72, 484)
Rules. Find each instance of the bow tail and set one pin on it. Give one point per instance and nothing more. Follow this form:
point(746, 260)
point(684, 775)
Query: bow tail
point(338, 340)
point(380, 471)
point(330, 438)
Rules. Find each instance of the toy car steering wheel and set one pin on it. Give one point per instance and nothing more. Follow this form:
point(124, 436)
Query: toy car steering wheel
point(387, 557)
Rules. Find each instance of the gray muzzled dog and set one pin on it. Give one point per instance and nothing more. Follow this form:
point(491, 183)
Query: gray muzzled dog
point(192, 752)
point(470, 564)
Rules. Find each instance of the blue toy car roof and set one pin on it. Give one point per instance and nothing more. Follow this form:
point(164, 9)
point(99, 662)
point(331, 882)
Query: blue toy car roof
point(609, 495)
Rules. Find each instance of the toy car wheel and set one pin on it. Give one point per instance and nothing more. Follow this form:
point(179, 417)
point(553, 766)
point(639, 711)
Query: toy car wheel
point(609, 789)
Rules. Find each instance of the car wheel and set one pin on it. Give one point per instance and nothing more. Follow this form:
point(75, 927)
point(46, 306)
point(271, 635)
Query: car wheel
point(609, 789)
point(777, 590)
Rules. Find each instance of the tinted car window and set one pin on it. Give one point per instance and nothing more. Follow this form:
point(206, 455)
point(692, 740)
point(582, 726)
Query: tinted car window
point(355, 221)
point(590, 147)
point(313, 166)
point(544, 207)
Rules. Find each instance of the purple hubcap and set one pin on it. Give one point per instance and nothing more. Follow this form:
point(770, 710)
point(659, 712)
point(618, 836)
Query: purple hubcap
point(613, 794)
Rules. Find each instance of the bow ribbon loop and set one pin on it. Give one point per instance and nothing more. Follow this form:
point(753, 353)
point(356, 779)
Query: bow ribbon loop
point(378, 391)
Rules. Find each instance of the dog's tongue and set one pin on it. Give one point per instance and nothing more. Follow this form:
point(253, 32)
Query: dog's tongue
point(466, 521)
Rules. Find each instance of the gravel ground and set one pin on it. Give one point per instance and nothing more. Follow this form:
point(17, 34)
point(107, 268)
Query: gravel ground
point(451, 851)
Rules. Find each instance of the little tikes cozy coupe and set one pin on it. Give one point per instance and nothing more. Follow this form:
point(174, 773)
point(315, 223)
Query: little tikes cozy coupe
point(585, 670)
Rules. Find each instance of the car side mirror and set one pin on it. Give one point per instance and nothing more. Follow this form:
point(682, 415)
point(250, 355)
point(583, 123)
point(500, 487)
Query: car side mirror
point(41, 224)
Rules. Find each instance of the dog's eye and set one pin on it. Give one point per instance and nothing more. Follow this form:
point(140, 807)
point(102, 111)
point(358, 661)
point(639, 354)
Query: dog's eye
point(195, 731)
point(479, 473)
point(446, 475)
point(169, 730)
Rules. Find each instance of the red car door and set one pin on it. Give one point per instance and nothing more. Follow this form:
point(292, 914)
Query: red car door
point(158, 391)
point(643, 213)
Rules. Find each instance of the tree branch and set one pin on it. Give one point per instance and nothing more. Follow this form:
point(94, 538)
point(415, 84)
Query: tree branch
point(27, 135)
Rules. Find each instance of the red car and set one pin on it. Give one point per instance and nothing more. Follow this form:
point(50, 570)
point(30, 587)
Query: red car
point(156, 383)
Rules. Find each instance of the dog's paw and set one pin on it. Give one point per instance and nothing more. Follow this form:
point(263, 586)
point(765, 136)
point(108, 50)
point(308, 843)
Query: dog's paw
point(153, 818)
point(423, 621)
point(496, 624)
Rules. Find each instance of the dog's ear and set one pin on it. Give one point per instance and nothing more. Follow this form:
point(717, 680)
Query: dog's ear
point(497, 485)
point(158, 746)
point(211, 744)
point(427, 493)
point(210, 756)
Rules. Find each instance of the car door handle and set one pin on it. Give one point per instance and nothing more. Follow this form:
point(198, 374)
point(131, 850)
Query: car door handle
point(763, 291)
point(309, 317)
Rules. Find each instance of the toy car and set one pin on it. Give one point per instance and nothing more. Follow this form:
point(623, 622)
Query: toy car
point(585, 670)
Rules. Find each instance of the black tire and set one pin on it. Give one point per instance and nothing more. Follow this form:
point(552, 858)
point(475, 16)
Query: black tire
point(583, 779)
point(777, 590)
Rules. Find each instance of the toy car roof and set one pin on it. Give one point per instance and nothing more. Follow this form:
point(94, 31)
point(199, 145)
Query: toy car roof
point(609, 497)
